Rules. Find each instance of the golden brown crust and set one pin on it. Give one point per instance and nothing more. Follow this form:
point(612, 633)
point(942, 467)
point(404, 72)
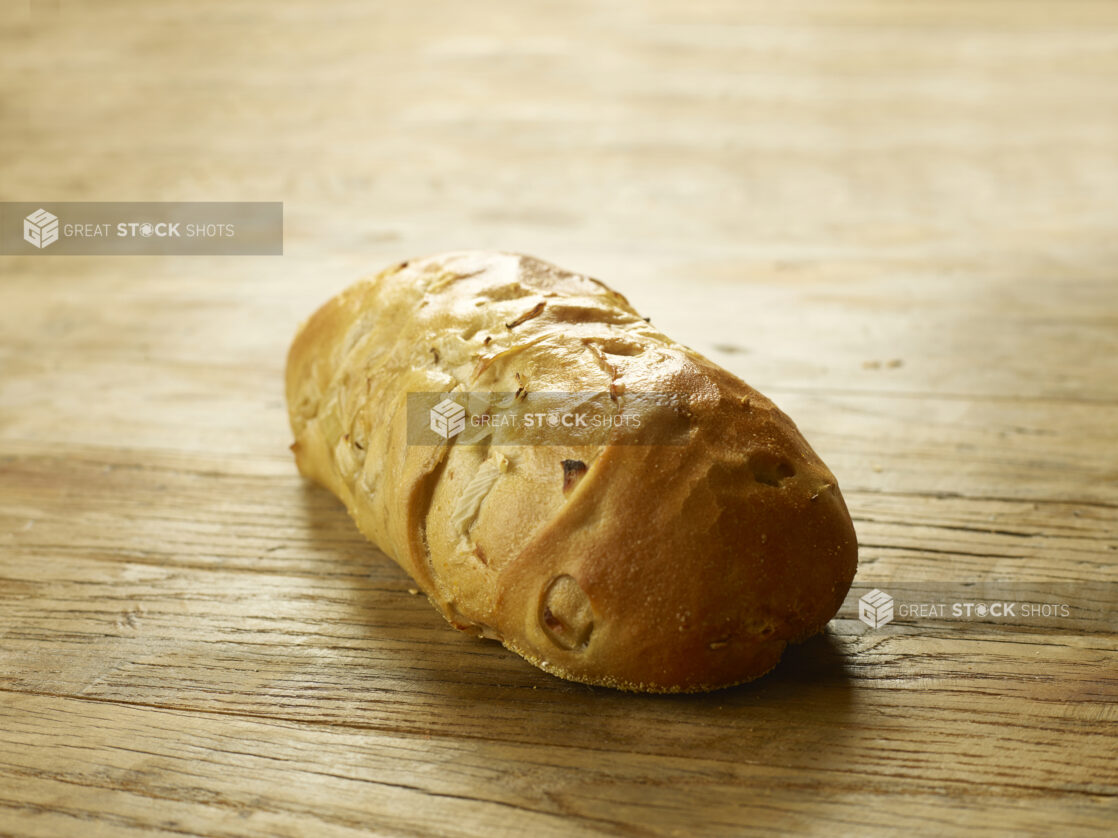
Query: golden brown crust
point(655, 567)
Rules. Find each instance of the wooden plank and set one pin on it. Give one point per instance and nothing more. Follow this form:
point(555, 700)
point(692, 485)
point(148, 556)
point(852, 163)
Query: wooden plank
point(180, 510)
point(904, 326)
point(120, 769)
point(365, 654)
point(929, 444)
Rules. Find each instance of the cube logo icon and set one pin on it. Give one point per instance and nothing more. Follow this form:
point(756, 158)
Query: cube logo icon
point(448, 418)
point(875, 609)
point(40, 228)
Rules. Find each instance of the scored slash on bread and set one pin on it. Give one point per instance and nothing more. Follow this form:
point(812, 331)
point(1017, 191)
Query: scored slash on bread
point(643, 560)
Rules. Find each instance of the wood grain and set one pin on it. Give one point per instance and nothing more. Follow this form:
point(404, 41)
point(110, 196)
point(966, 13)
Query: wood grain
point(895, 219)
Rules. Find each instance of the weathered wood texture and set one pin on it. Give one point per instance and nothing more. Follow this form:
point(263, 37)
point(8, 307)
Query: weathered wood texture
point(897, 219)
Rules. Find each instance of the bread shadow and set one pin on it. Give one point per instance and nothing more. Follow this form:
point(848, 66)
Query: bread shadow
point(816, 663)
point(796, 719)
point(451, 684)
point(332, 541)
point(791, 718)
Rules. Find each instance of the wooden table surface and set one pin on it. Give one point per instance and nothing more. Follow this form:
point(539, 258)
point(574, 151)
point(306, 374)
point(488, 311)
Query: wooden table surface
point(899, 220)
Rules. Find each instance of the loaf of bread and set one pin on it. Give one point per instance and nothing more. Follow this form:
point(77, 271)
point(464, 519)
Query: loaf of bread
point(681, 553)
